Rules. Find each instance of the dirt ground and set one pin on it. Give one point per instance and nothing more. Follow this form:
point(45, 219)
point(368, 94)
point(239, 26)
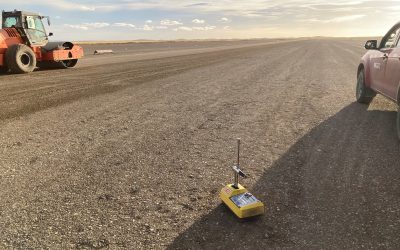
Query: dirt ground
point(130, 150)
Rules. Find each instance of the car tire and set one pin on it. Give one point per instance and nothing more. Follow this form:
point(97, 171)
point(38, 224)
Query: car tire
point(20, 59)
point(363, 93)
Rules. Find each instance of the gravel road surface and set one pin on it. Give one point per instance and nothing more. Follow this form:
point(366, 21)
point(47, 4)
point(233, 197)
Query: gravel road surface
point(130, 150)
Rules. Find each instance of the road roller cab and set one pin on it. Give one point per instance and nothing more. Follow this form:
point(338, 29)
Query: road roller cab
point(24, 45)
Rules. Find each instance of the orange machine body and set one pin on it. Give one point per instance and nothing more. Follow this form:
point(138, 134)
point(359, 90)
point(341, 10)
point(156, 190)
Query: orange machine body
point(10, 36)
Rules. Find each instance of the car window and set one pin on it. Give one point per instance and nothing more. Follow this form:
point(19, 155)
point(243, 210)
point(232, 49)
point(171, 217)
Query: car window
point(390, 40)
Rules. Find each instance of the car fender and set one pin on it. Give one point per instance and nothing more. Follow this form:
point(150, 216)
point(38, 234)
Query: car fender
point(365, 64)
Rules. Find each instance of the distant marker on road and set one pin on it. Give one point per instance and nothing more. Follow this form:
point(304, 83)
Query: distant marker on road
point(104, 51)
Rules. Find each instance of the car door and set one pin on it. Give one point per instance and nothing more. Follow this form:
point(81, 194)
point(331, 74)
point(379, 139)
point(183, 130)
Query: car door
point(392, 72)
point(379, 61)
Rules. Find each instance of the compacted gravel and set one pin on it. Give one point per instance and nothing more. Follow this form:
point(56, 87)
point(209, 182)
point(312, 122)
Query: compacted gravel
point(130, 150)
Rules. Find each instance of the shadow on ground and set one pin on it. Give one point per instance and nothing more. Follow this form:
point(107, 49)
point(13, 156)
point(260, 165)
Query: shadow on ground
point(337, 187)
point(7, 73)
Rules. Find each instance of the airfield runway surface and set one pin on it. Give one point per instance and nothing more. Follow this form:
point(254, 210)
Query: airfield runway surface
point(130, 150)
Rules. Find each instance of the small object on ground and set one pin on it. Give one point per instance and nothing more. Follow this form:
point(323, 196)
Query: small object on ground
point(103, 51)
point(238, 198)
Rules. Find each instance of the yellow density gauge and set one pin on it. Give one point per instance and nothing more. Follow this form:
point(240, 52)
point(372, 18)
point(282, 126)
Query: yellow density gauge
point(238, 198)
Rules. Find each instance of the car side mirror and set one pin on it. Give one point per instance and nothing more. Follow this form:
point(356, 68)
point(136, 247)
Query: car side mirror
point(51, 34)
point(371, 45)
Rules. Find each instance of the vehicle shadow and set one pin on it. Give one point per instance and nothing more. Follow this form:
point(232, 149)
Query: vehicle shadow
point(8, 73)
point(337, 187)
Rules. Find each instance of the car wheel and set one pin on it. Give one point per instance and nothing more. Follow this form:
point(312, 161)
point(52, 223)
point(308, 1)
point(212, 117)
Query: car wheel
point(363, 93)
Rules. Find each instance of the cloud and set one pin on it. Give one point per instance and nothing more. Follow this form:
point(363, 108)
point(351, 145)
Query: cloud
point(198, 21)
point(252, 18)
point(96, 25)
point(148, 27)
point(83, 7)
point(184, 28)
point(195, 28)
point(252, 9)
point(204, 28)
point(124, 25)
point(224, 20)
point(345, 18)
point(77, 26)
point(59, 4)
point(340, 19)
point(167, 22)
point(87, 26)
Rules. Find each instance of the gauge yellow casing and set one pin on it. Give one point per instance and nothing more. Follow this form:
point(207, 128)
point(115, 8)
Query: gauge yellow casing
point(241, 202)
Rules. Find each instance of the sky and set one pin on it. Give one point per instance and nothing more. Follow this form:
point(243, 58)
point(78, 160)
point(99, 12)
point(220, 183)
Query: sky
point(87, 20)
